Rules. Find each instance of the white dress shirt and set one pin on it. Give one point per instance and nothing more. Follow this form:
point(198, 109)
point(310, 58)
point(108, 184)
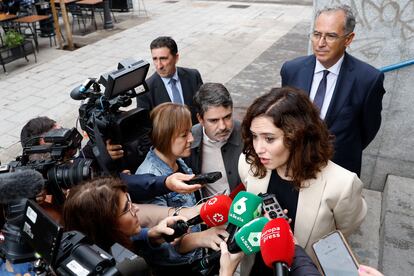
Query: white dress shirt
point(168, 86)
point(331, 79)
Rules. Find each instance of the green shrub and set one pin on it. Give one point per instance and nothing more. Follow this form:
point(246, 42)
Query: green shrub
point(13, 38)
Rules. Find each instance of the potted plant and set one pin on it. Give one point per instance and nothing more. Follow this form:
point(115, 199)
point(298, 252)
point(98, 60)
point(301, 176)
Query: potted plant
point(12, 40)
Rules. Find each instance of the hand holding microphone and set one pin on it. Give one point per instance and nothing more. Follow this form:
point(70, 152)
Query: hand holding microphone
point(247, 239)
point(213, 213)
point(228, 261)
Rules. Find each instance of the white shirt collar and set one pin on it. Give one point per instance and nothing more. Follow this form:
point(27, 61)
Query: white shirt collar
point(334, 69)
point(175, 76)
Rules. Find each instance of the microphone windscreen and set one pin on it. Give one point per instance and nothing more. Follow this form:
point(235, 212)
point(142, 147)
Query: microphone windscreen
point(244, 208)
point(236, 190)
point(248, 237)
point(216, 210)
point(20, 184)
point(276, 243)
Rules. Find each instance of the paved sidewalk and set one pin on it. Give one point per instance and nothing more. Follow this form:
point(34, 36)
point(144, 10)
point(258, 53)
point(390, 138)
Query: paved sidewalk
point(217, 39)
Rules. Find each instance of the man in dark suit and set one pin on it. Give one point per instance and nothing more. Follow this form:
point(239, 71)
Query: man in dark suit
point(169, 83)
point(217, 141)
point(347, 91)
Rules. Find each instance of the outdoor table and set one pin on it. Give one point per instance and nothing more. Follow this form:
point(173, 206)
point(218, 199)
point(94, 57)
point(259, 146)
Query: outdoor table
point(31, 23)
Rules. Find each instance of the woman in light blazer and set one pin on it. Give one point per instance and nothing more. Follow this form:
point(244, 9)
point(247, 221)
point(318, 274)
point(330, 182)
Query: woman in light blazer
point(286, 152)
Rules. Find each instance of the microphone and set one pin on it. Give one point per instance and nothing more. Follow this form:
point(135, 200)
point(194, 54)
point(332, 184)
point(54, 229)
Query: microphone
point(247, 239)
point(277, 246)
point(213, 213)
point(244, 208)
point(81, 92)
point(19, 185)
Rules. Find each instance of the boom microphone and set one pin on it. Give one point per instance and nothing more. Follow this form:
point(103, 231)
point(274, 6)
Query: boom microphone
point(277, 246)
point(247, 239)
point(19, 185)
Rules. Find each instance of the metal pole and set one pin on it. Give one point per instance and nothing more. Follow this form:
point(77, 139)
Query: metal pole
point(107, 15)
point(397, 66)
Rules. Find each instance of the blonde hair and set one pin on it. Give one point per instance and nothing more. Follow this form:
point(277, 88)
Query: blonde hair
point(168, 121)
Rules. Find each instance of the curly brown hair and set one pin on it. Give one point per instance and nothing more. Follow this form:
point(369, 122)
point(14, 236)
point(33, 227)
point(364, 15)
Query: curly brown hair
point(305, 134)
point(93, 208)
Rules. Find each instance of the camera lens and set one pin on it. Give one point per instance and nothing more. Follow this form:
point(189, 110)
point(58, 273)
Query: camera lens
point(67, 175)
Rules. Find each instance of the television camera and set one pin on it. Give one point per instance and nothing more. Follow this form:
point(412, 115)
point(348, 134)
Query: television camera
point(53, 160)
point(48, 166)
point(71, 253)
point(101, 118)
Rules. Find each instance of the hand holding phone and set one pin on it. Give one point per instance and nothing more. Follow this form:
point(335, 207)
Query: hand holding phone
point(335, 256)
point(204, 178)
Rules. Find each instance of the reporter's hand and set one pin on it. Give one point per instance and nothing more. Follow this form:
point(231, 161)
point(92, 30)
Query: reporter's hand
point(213, 237)
point(115, 151)
point(228, 261)
point(367, 270)
point(210, 238)
point(155, 233)
point(175, 183)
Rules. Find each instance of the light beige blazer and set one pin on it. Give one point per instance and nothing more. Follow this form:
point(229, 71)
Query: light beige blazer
point(331, 201)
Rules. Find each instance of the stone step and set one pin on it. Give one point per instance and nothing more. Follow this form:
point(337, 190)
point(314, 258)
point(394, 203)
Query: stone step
point(397, 227)
point(365, 242)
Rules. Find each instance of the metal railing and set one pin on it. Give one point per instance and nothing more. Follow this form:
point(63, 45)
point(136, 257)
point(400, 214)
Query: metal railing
point(396, 66)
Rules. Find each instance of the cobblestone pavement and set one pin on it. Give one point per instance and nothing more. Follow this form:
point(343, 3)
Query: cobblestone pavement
point(220, 39)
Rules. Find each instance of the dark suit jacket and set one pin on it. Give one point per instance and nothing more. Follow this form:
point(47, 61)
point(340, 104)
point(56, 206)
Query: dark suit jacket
point(354, 114)
point(190, 80)
point(230, 152)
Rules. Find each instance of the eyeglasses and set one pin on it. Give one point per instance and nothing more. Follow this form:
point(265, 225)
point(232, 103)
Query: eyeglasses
point(329, 37)
point(128, 207)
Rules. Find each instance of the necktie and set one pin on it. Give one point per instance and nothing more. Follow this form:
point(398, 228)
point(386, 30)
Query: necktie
point(320, 93)
point(175, 93)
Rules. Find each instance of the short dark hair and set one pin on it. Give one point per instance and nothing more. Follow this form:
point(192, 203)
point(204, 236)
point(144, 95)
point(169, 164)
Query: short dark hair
point(305, 134)
point(350, 22)
point(35, 127)
point(165, 41)
point(211, 95)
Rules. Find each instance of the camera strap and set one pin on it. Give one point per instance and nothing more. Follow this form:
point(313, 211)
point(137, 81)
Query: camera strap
point(102, 156)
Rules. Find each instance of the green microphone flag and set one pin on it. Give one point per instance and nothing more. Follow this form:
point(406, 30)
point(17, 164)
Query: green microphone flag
point(248, 237)
point(244, 208)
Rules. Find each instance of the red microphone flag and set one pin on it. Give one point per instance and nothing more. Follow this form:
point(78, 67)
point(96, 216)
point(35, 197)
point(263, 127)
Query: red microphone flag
point(216, 210)
point(276, 243)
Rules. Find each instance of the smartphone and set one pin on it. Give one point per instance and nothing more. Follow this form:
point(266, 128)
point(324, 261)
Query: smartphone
point(335, 256)
point(204, 178)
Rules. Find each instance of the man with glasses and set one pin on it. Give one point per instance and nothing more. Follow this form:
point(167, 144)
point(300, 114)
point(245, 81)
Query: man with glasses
point(347, 91)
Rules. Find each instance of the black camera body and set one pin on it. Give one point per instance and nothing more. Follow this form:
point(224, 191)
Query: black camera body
point(54, 161)
point(101, 118)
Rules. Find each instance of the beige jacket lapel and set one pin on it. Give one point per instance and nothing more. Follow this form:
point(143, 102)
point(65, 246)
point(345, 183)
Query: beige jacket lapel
point(309, 203)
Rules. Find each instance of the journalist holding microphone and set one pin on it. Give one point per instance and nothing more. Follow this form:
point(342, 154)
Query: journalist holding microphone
point(287, 151)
